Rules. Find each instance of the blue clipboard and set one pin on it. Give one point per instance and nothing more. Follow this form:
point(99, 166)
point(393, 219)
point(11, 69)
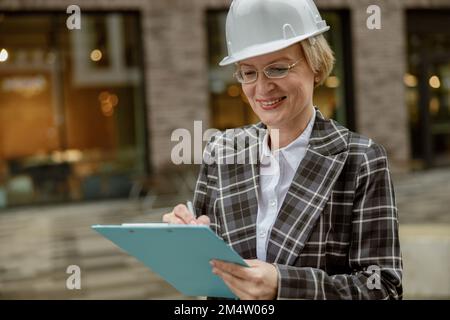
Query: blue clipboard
point(178, 253)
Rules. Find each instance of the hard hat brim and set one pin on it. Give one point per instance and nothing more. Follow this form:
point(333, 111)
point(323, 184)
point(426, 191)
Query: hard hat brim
point(262, 49)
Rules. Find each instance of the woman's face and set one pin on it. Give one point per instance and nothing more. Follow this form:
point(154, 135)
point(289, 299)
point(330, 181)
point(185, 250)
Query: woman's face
point(281, 103)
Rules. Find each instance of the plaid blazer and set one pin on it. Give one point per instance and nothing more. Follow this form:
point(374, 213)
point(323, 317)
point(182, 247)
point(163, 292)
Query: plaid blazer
point(338, 221)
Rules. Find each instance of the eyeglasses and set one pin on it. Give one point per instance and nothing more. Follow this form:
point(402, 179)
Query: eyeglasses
point(278, 70)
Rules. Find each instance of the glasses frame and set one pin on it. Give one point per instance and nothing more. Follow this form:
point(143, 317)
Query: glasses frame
point(289, 67)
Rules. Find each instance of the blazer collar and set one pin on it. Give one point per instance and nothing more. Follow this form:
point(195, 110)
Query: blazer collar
point(327, 136)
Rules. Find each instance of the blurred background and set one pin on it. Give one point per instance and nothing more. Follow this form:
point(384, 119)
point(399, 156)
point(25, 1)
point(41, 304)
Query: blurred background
point(86, 118)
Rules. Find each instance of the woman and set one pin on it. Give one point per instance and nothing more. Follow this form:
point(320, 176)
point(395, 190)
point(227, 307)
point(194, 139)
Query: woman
point(322, 222)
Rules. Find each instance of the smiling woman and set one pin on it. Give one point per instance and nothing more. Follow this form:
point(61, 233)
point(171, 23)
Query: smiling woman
point(316, 215)
point(283, 103)
point(334, 97)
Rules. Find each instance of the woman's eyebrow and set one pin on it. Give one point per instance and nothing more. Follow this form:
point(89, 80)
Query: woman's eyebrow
point(270, 62)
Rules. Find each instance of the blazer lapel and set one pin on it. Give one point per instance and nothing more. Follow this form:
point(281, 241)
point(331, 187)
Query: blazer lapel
point(239, 182)
point(309, 192)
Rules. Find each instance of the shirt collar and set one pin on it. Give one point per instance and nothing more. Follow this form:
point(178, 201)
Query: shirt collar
point(291, 151)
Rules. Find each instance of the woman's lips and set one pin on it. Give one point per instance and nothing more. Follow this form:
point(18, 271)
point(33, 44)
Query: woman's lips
point(270, 104)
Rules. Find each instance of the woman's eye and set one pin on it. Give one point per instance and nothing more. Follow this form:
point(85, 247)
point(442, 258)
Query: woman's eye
point(277, 70)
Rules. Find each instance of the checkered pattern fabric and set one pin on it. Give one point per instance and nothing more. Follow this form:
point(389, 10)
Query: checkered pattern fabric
point(337, 223)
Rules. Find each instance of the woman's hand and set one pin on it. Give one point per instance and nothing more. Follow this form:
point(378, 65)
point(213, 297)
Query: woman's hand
point(259, 281)
point(181, 215)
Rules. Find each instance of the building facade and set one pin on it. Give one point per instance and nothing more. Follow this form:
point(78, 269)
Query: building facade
point(390, 83)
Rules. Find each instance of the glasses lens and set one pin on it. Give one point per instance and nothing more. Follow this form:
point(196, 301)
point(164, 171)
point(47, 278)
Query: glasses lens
point(278, 70)
point(246, 75)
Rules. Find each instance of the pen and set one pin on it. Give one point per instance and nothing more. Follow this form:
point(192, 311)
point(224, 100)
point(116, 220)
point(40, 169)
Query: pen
point(191, 208)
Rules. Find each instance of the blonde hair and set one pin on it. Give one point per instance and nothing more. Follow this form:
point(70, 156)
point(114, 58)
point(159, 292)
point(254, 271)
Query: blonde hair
point(319, 57)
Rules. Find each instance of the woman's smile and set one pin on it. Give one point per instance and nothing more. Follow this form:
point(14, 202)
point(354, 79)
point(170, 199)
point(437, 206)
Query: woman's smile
point(271, 103)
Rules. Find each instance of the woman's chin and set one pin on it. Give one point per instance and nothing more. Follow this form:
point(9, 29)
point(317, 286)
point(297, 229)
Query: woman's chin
point(270, 121)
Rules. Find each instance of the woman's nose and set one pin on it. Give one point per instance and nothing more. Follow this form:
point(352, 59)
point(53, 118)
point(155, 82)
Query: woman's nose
point(264, 84)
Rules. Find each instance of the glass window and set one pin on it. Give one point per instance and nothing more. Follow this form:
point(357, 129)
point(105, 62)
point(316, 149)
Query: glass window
point(72, 107)
point(228, 105)
point(427, 83)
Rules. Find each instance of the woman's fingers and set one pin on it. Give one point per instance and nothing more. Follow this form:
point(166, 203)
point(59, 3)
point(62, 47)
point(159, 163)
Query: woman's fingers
point(166, 217)
point(181, 215)
point(203, 220)
point(182, 212)
point(171, 218)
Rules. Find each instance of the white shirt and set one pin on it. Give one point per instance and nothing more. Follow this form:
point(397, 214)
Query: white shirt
point(275, 180)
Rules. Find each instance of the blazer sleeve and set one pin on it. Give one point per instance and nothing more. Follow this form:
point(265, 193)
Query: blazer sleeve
point(205, 193)
point(374, 244)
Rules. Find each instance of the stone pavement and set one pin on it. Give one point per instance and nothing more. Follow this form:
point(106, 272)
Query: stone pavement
point(426, 260)
point(424, 213)
point(423, 197)
point(37, 245)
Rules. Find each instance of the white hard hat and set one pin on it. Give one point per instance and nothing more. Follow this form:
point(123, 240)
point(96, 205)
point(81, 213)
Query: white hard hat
point(257, 27)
